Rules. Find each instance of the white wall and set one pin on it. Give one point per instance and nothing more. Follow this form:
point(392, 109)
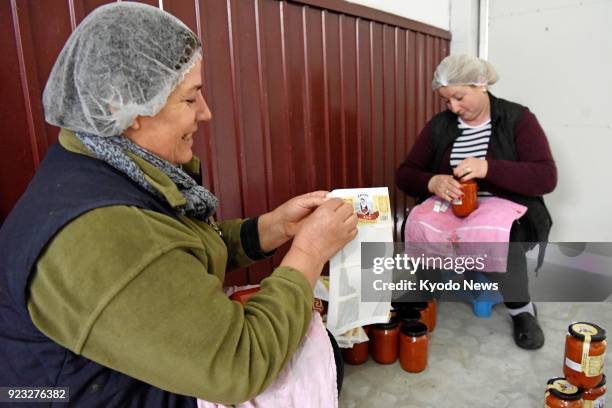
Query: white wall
point(464, 27)
point(432, 12)
point(555, 56)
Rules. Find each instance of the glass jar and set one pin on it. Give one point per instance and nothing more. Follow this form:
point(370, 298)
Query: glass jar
point(585, 350)
point(468, 202)
point(561, 394)
point(432, 308)
point(358, 354)
point(243, 295)
point(385, 342)
point(595, 397)
point(423, 308)
point(413, 347)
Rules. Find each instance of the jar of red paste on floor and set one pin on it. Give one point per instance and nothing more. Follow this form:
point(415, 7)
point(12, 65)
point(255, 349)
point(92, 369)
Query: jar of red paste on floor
point(413, 347)
point(358, 354)
point(585, 351)
point(385, 342)
point(468, 202)
point(561, 394)
point(423, 308)
point(595, 397)
point(432, 307)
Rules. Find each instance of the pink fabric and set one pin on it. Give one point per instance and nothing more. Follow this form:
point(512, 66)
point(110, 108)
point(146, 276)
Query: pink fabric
point(308, 379)
point(491, 222)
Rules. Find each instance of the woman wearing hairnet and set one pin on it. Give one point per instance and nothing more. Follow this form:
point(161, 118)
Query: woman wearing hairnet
point(500, 145)
point(113, 281)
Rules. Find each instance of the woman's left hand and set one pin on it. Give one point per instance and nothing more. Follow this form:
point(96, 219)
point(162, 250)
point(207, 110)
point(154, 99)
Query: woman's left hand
point(471, 168)
point(281, 224)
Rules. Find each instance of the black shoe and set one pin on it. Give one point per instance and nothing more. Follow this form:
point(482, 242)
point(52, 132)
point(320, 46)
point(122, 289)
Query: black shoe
point(527, 331)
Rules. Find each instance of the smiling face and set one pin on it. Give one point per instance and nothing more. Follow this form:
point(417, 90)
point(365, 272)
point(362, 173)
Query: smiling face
point(470, 103)
point(169, 134)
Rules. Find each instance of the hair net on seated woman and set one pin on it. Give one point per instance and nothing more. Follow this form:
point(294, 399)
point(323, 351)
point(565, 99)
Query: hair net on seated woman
point(463, 70)
point(122, 61)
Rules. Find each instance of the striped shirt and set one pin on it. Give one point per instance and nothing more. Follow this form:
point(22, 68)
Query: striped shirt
point(473, 142)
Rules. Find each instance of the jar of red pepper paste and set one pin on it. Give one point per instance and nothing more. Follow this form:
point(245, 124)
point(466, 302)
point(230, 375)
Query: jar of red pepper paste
point(358, 354)
point(423, 308)
point(385, 342)
point(595, 397)
point(433, 311)
point(468, 202)
point(585, 350)
point(413, 347)
point(561, 394)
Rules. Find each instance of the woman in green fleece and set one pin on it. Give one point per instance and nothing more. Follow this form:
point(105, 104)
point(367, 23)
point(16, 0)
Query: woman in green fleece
point(126, 284)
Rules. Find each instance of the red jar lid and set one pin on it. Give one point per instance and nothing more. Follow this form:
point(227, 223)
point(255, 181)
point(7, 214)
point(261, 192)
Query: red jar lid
point(563, 390)
point(580, 329)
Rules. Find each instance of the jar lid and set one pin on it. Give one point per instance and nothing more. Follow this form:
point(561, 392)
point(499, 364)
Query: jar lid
point(417, 305)
point(562, 389)
point(392, 324)
point(602, 382)
point(396, 305)
point(580, 329)
point(410, 315)
point(414, 329)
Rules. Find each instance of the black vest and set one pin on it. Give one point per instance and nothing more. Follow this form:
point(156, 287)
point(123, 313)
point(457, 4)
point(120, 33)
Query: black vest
point(65, 186)
point(504, 118)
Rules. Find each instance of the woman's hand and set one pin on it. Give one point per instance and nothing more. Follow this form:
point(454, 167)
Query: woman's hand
point(445, 186)
point(281, 224)
point(327, 230)
point(471, 168)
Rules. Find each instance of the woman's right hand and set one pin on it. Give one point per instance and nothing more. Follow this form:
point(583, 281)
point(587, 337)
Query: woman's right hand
point(322, 234)
point(445, 186)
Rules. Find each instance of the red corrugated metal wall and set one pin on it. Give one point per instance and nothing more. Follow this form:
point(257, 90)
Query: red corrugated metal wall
point(305, 95)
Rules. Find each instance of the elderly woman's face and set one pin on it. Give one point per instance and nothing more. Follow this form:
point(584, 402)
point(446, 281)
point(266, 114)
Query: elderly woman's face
point(169, 134)
point(470, 103)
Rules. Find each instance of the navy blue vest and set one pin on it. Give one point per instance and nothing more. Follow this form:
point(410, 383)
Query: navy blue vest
point(65, 186)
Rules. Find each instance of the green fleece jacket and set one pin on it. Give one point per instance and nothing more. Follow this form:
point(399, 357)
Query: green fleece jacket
point(141, 293)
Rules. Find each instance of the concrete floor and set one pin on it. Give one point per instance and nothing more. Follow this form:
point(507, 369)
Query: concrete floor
point(473, 362)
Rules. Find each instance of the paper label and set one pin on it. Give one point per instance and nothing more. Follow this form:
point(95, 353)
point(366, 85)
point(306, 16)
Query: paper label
point(573, 365)
point(591, 367)
point(370, 208)
point(594, 366)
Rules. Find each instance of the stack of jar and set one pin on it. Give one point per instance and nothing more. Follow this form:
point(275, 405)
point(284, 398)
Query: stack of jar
point(584, 384)
point(404, 336)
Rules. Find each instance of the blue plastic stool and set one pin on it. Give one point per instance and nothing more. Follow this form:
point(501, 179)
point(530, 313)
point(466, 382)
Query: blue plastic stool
point(484, 308)
point(484, 301)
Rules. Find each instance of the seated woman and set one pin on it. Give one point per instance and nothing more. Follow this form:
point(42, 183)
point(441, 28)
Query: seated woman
point(501, 145)
point(112, 268)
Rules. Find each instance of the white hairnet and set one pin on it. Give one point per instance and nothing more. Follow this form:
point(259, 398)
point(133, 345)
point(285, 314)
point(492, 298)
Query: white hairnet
point(463, 70)
point(122, 61)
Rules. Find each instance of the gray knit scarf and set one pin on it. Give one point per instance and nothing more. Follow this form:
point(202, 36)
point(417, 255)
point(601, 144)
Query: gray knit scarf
point(201, 203)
